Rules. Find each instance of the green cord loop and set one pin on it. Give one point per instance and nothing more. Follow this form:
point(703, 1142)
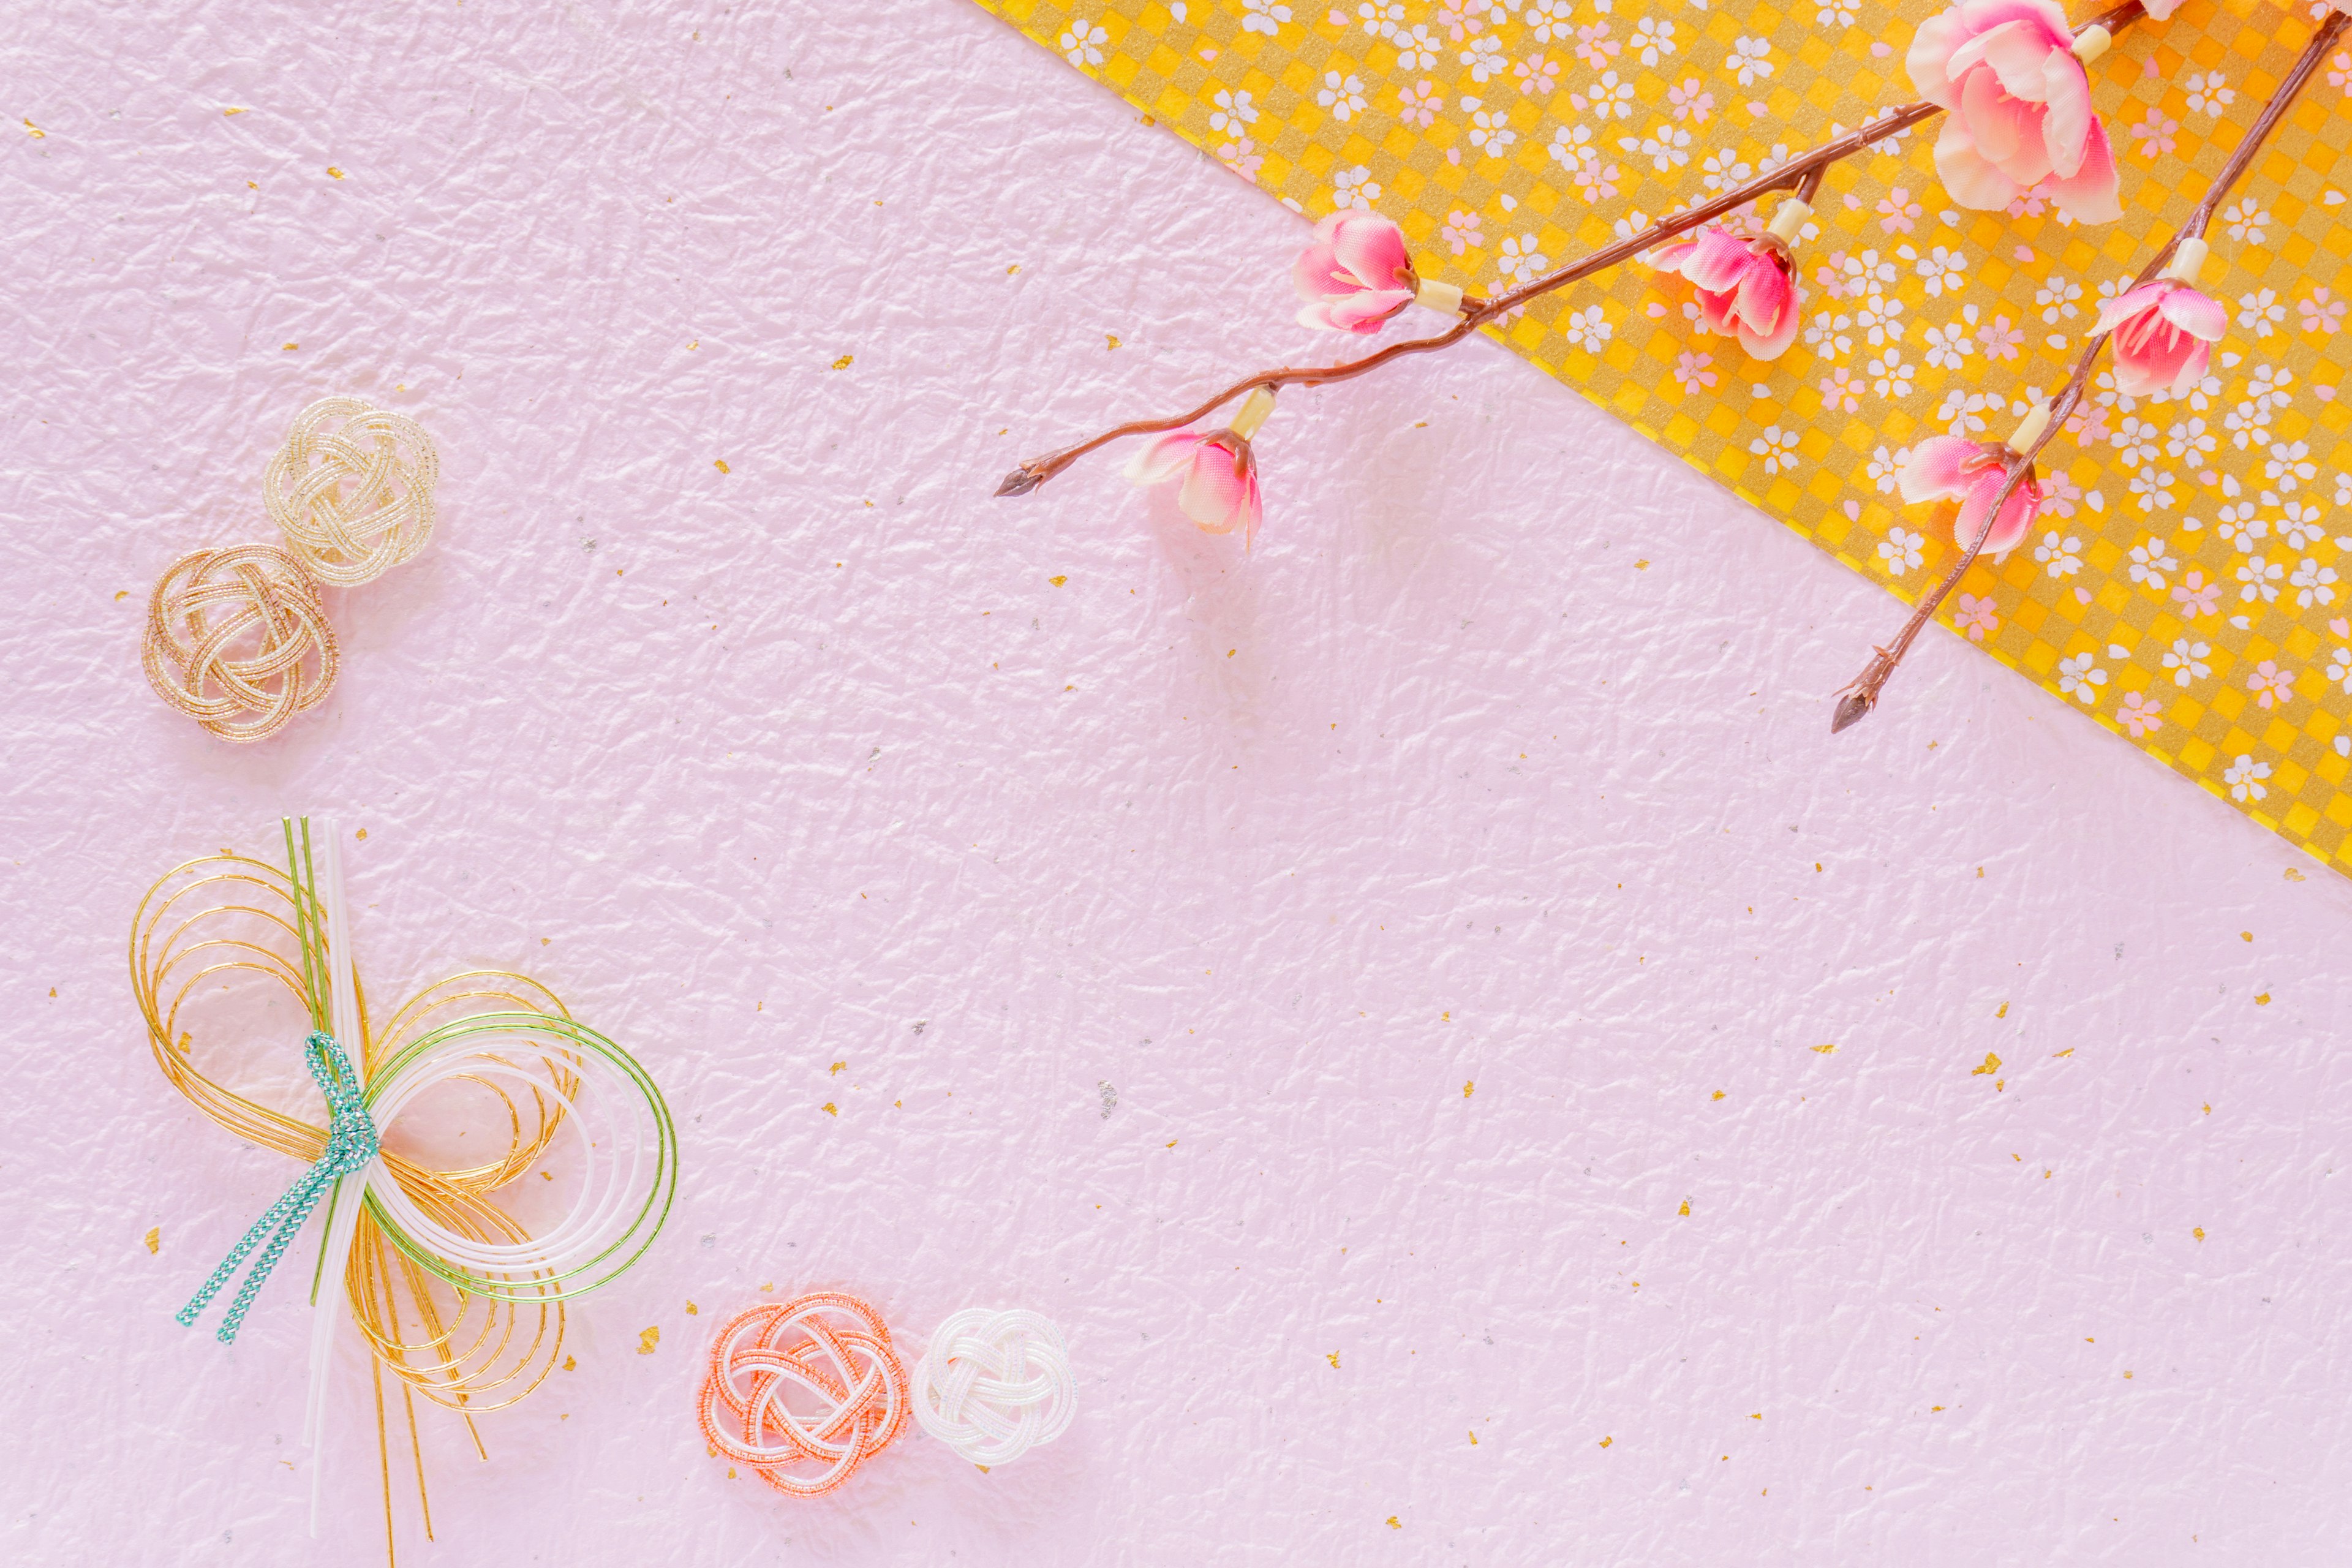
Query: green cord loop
point(351, 1143)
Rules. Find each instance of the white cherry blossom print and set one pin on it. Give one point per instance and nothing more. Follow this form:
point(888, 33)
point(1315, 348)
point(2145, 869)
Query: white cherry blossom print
point(1342, 95)
point(1666, 146)
point(2246, 221)
point(2059, 554)
point(1606, 99)
point(1490, 131)
point(1900, 551)
point(2209, 92)
point(1082, 44)
point(1889, 376)
point(2260, 312)
point(1776, 446)
point(1264, 17)
point(2258, 579)
point(2151, 559)
point(1749, 61)
point(2312, 582)
point(1521, 261)
point(2081, 677)
point(2186, 660)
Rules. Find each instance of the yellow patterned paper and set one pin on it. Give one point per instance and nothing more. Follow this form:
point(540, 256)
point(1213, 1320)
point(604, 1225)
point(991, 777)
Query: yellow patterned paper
point(2188, 586)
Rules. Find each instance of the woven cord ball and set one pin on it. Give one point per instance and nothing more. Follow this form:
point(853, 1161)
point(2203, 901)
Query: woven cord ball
point(803, 1392)
point(353, 489)
point(238, 640)
point(993, 1385)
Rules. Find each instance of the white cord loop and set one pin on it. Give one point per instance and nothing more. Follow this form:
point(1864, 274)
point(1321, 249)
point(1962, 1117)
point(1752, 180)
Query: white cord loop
point(993, 1385)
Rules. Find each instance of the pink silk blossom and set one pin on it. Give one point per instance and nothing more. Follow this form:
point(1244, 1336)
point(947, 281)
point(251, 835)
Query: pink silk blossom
point(1745, 287)
point(2163, 333)
point(1947, 467)
point(2021, 108)
point(1219, 475)
point(1356, 274)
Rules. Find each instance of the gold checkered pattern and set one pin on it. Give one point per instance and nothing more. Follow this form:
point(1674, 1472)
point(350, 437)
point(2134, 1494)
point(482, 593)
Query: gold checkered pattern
point(2240, 676)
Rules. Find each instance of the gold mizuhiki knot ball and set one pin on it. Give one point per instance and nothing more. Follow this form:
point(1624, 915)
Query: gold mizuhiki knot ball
point(353, 489)
point(238, 640)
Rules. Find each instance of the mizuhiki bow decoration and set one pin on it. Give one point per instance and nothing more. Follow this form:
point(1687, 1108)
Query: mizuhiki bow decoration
point(457, 1271)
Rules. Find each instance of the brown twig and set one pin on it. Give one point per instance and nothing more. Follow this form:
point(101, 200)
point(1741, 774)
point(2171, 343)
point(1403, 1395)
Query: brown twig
point(1860, 696)
point(1801, 175)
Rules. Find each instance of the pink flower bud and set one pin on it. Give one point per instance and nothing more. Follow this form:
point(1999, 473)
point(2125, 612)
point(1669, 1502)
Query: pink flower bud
point(1947, 467)
point(1216, 469)
point(2163, 334)
point(1745, 287)
point(1356, 274)
point(2021, 108)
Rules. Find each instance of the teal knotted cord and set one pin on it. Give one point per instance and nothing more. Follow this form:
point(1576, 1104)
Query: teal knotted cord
point(351, 1144)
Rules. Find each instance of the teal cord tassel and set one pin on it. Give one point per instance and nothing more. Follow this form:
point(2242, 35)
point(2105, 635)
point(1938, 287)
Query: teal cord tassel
point(351, 1144)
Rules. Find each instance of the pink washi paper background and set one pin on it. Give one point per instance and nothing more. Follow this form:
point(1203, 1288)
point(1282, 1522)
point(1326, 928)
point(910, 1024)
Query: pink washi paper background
point(1318, 981)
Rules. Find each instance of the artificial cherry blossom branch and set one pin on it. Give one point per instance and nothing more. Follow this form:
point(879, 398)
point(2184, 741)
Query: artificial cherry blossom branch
point(2041, 426)
point(1801, 175)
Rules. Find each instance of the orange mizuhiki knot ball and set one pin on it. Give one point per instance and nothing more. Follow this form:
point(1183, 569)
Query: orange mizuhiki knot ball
point(236, 639)
point(803, 1391)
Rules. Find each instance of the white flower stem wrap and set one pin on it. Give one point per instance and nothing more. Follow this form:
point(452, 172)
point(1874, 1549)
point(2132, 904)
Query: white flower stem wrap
point(993, 1386)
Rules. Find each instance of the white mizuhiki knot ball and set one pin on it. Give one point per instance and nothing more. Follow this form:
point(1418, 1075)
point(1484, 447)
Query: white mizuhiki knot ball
point(993, 1385)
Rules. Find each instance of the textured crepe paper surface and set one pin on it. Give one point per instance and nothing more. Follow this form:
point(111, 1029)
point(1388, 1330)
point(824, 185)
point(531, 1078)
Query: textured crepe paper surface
point(1510, 137)
point(1443, 790)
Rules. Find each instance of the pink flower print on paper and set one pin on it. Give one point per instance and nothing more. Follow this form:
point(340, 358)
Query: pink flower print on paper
point(1975, 616)
point(1897, 212)
point(2000, 340)
point(2088, 423)
point(1461, 18)
point(1537, 77)
point(1462, 231)
point(2021, 112)
point(2270, 685)
point(1691, 101)
point(2323, 316)
point(2196, 594)
point(1594, 46)
point(2138, 713)
point(1691, 370)
point(1418, 104)
point(1843, 389)
point(2154, 133)
point(1240, 155)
